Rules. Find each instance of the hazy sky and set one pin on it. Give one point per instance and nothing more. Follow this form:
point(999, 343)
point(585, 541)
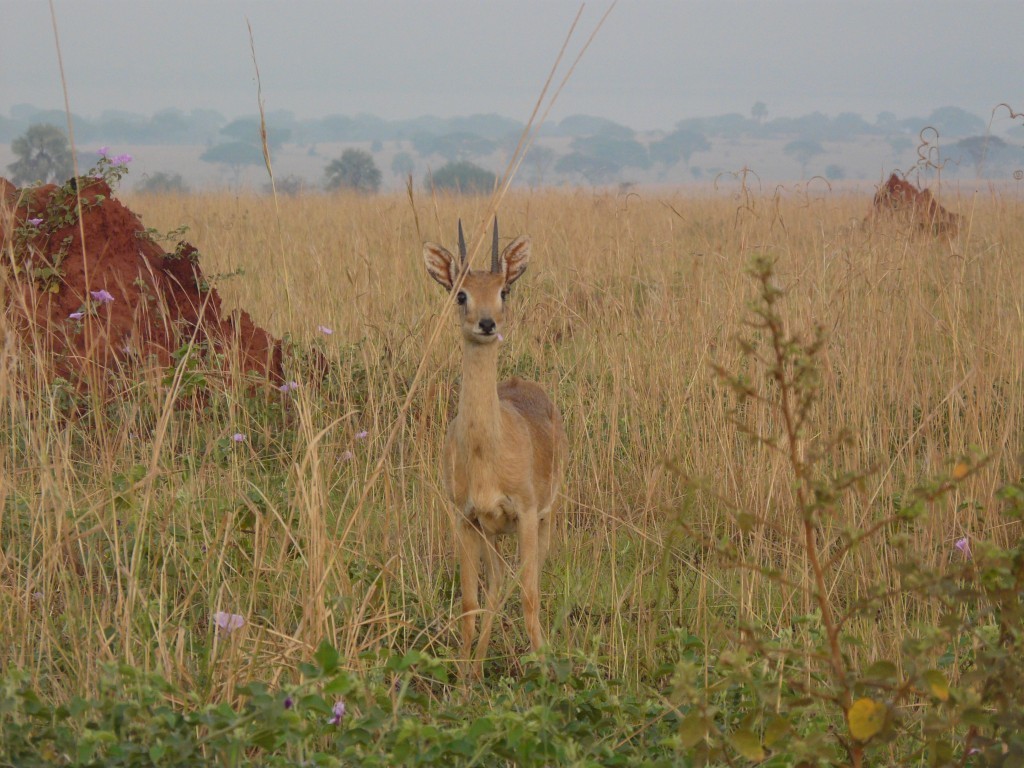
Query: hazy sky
point(652, 64)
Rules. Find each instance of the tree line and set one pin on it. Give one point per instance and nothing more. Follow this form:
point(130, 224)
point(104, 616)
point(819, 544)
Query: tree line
point(590, 149)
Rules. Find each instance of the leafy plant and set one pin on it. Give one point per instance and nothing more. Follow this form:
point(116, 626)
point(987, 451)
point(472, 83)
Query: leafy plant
point(800, 694)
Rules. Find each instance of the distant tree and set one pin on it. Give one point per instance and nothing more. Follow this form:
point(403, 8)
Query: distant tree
point(886, 120)
point(290, 186)
point(489, 126)
point(802, 150)
point(759, 112)
point(354, 170)
point(168, 126)
point(846, 125)
point(162, 183)
point(462, 176)
point(537, 161)
point(834, 172)
point(899, 143)
point(619, 152)
point(235, 155)
point(43, 155)
point(247, 130)
point(732, 125)
point(592, 169)
point(453, 146)
point(403, 165)
point(678, 145)
point(953, 121)
point(586, 125)
point(980, 148)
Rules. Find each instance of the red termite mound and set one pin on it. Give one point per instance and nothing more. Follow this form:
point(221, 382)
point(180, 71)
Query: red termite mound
point(900, 198)
point(138, 303)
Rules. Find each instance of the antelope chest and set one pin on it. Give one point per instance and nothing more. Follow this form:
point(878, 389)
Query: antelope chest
point(479, 493)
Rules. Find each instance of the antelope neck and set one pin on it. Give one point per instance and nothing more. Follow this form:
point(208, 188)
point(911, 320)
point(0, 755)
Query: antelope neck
point(478, 397)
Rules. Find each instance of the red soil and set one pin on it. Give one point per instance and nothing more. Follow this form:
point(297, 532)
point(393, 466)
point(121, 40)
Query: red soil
point(901, 198)
point(160, 300)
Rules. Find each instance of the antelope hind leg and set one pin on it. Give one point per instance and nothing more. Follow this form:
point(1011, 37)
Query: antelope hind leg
point(529, 576)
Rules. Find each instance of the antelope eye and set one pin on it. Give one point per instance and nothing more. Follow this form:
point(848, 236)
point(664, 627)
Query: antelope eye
point(504, 294)
point(461, 298)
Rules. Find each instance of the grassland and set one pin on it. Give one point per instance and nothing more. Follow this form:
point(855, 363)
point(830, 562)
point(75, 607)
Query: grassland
point(125, 531)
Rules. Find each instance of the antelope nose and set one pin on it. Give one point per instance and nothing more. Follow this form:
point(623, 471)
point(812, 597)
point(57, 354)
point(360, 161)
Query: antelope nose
point(487, 325)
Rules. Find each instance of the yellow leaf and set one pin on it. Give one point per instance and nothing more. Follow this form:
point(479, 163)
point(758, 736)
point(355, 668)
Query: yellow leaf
point(866, 718)
point(748, 745)
point(937, 684)
point(960, 470)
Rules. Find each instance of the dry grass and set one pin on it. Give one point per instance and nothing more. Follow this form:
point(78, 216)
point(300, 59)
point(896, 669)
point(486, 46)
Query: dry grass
point(627, 301)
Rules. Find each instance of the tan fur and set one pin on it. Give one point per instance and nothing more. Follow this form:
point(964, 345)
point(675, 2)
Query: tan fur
point(504, 454)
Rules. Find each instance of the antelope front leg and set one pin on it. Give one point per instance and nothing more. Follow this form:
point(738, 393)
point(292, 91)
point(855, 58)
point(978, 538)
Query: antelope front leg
point(469, 543)
point(529, 576)
point(493, 572)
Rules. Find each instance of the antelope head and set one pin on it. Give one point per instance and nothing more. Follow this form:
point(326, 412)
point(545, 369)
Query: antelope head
point(480, 295)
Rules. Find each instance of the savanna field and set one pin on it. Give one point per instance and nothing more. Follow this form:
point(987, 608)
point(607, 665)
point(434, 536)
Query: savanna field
point(775, 545)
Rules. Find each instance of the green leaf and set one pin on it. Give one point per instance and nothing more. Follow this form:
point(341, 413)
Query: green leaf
point(397, 663)
point(937, 684)
point(327, 658)
point(881, 670)
point(692, 730)
point(482, 726)
point(976, 716)
point(342, 684)
point(775, 729)
point(748, 745)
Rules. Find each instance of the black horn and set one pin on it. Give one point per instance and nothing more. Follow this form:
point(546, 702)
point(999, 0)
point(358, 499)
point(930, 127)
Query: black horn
point(495, 267)
point(462, 245)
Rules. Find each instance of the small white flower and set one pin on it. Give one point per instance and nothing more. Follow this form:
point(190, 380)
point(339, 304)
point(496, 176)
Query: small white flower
point(964, 545)
point(339, 712)
point(228, 622)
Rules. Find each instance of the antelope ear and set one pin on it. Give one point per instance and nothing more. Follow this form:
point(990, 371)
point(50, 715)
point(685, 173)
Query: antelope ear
point(515, 258)
point(441, 265)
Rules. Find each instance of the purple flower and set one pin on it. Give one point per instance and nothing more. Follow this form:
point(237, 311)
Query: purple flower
point(289, 702)
point(102, 296)
point(228, 622)
point(103, 151)
point(122, 159)
point(339, 712)
point(362, 435)
point(325, 330)
point(35, 222)
point(347, 456)
point(76, 315)
point(291, 386)
point(964, 545)
point(238, 437)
